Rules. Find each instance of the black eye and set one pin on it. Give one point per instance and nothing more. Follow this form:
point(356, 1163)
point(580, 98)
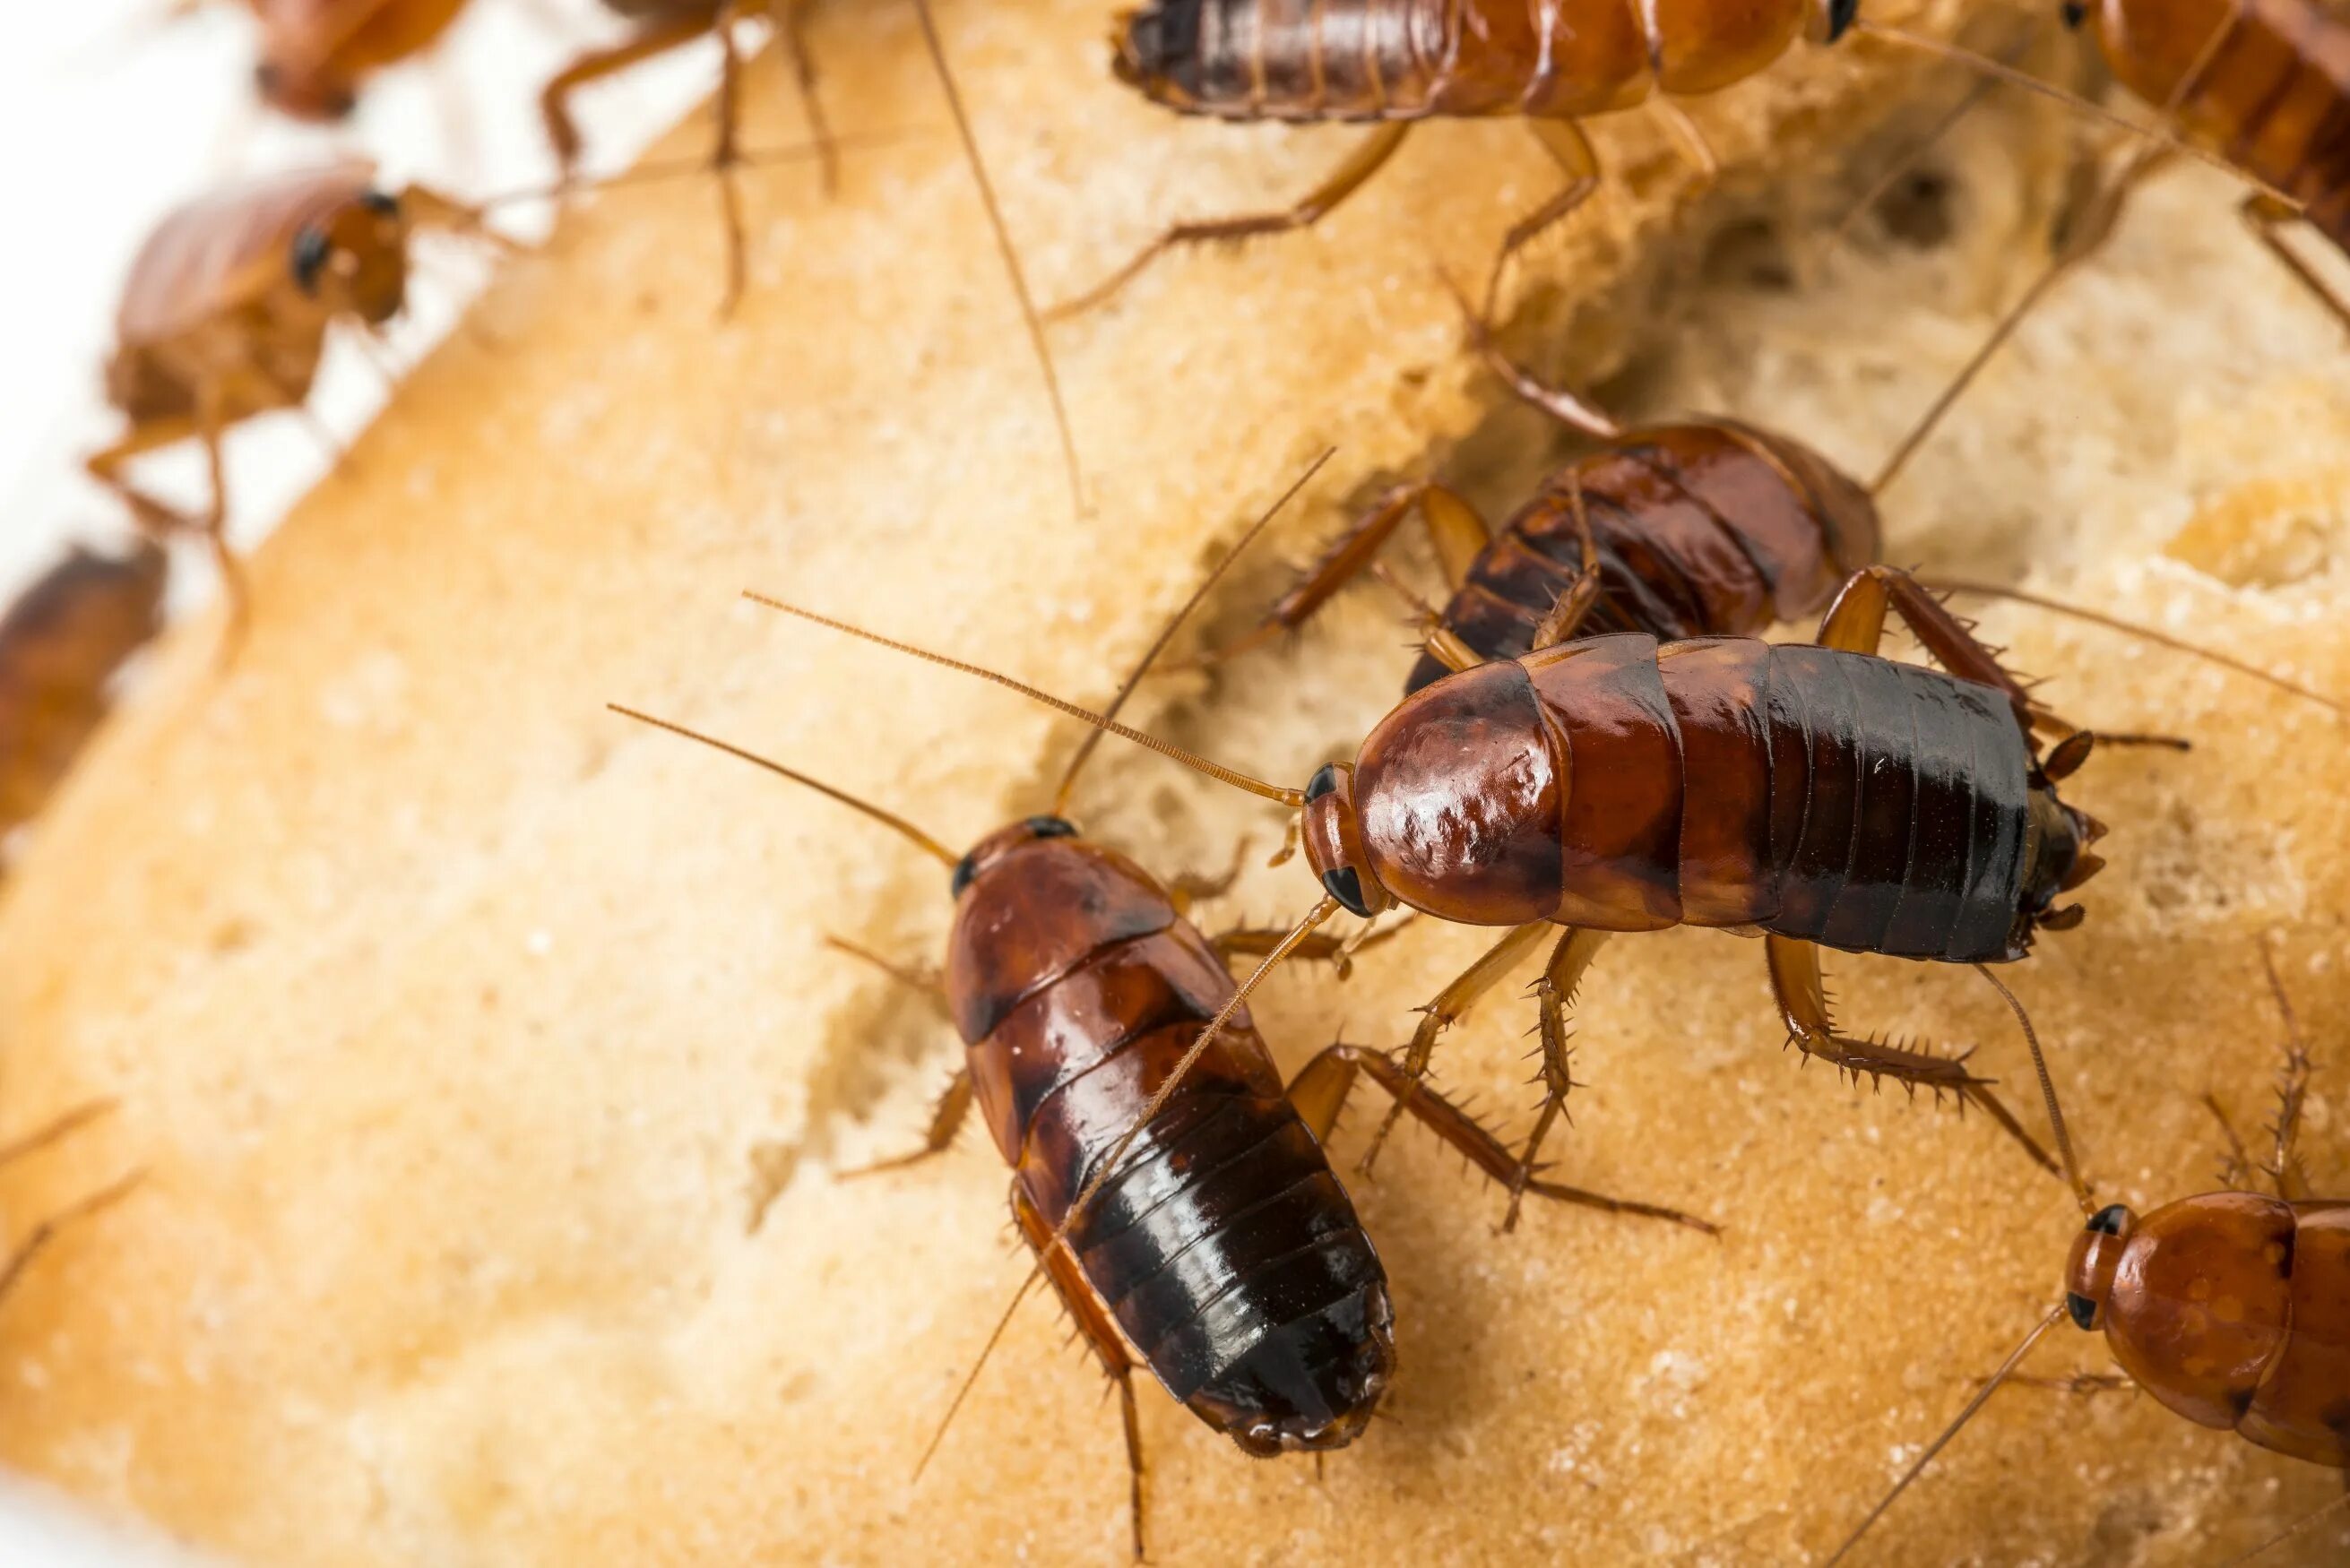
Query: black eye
point(1841, 14)
point(378, 202)
point(2075, 13)
point(265, 78)
point(2083, 1310)
point(965, 870)
point(311, 249)
point(1347, 888)
point(1322, 783)
point(2108, 1220)
point(1049, 827)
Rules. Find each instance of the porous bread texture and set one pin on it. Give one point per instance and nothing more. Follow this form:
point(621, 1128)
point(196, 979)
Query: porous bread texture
point(491, 1075)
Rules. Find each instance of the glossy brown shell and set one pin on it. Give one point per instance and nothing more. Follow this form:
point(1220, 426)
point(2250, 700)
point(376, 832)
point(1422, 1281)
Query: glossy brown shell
point(350, 37)
point(1617, 784)
point(2233, 1310)
point(1224, 1247)
point(1411, 59)
point(1705, 529)
point(226, 250)
point(2273, 98)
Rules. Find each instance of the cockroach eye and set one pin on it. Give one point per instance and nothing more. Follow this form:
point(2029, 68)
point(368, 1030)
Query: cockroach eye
point(2108, 1219)
point(965, 870)
point(2083, 1310)
point(379, 202)
point(265, 77)
point(1049, 827)
point(1842, 14)
point(311, 248)
point(2075, 13)
point(1342, 884)
point(1322, 783)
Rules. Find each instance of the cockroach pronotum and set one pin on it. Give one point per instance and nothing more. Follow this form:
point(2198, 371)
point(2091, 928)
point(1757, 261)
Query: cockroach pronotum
point(1227, 1254)
point(316, 53)
point(2230, 1308)
point(1396, 62)
point(225, 311)
point(62, 642)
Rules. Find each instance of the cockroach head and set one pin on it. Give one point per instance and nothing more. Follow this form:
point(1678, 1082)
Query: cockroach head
point(311, 91)
point(2097, 1256)
point(1002, 842)
point(1334, 843)
point(355, 258)
point(2075, 13)
point(1158, 51)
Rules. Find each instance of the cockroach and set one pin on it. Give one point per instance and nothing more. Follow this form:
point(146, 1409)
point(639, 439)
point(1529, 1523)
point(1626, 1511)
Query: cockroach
point(62, 642)
point(2230, 1308)
point(1396, 62)
point(225, 311)
point(1226, 1257)
point(314, 56)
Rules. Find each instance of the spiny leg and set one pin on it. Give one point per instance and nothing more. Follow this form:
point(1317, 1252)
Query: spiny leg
point(1804, 1008)
point(946, 1120)
point(2235, 1164)
point(914, 976)
point(1575, 412)
point(1553, 993)
point(1188, 887)
point(1448, 1004)
point(2265, 215)
point(1093, 1321)
point(1320, 1090)
point(1565, 618)
point(1453, 525)
point(2293, 1091)
point(1317, 204)
point(1572, 151)
point(1321, 946)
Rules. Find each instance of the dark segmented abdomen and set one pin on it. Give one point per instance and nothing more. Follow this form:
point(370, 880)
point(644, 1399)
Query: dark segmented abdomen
point(1899, 803)
point(1701, 530)
point(1384, 59)
point(1226, 1248)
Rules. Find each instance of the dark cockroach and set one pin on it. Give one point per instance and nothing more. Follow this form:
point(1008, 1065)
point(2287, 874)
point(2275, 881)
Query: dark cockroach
point(1226, 1256)
point(1395, 62)
point(62, 644)
point(225, 311)
point(316, 52)
point(2230, 1308)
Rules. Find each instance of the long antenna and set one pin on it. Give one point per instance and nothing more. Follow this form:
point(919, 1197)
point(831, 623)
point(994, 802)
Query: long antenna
point(888, 819)
point(972, 1376)
point(1238, 779)
point(2289, 1531)
point(679, 168)
point(2047, 1091)
point(1988, 1389)
point(43, 1137)
point(2169, 141)
point(1011, 255)
point(2145, 633)
point(1092, 737)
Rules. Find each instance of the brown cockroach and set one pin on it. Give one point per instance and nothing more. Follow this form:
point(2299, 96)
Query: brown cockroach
point(314, 56)
point(2230, 1308)
point(62, 642)
point(1553, 65)
point(1227, 1256)
point(224, 316)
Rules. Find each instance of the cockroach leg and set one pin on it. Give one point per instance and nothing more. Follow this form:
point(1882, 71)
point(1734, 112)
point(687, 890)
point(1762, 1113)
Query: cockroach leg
point(2235, 1164)
point(1450, 1003)
point(1316, 205)
point(792, 27)
point(1575, 412)
point(1555, 993)
point(2265, 214)
point(1320, 1090)
point(1566, 617)
point(946, 1120)
point(914, 976)
point(1093, 1321)
point(2082, 1384)
point(1572, 151)
point(1855, 622)
point(1811, 1028)
point(1189, 887)
point(1453, 526)
point(654, 38)
point(1257, 942)
point(2292, 1091)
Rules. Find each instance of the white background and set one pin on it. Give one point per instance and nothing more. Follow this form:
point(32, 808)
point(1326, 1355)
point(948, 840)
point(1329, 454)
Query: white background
point(110, 114)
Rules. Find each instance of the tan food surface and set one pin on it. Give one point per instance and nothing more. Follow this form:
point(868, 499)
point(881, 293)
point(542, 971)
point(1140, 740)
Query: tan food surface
point(491, 1072)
